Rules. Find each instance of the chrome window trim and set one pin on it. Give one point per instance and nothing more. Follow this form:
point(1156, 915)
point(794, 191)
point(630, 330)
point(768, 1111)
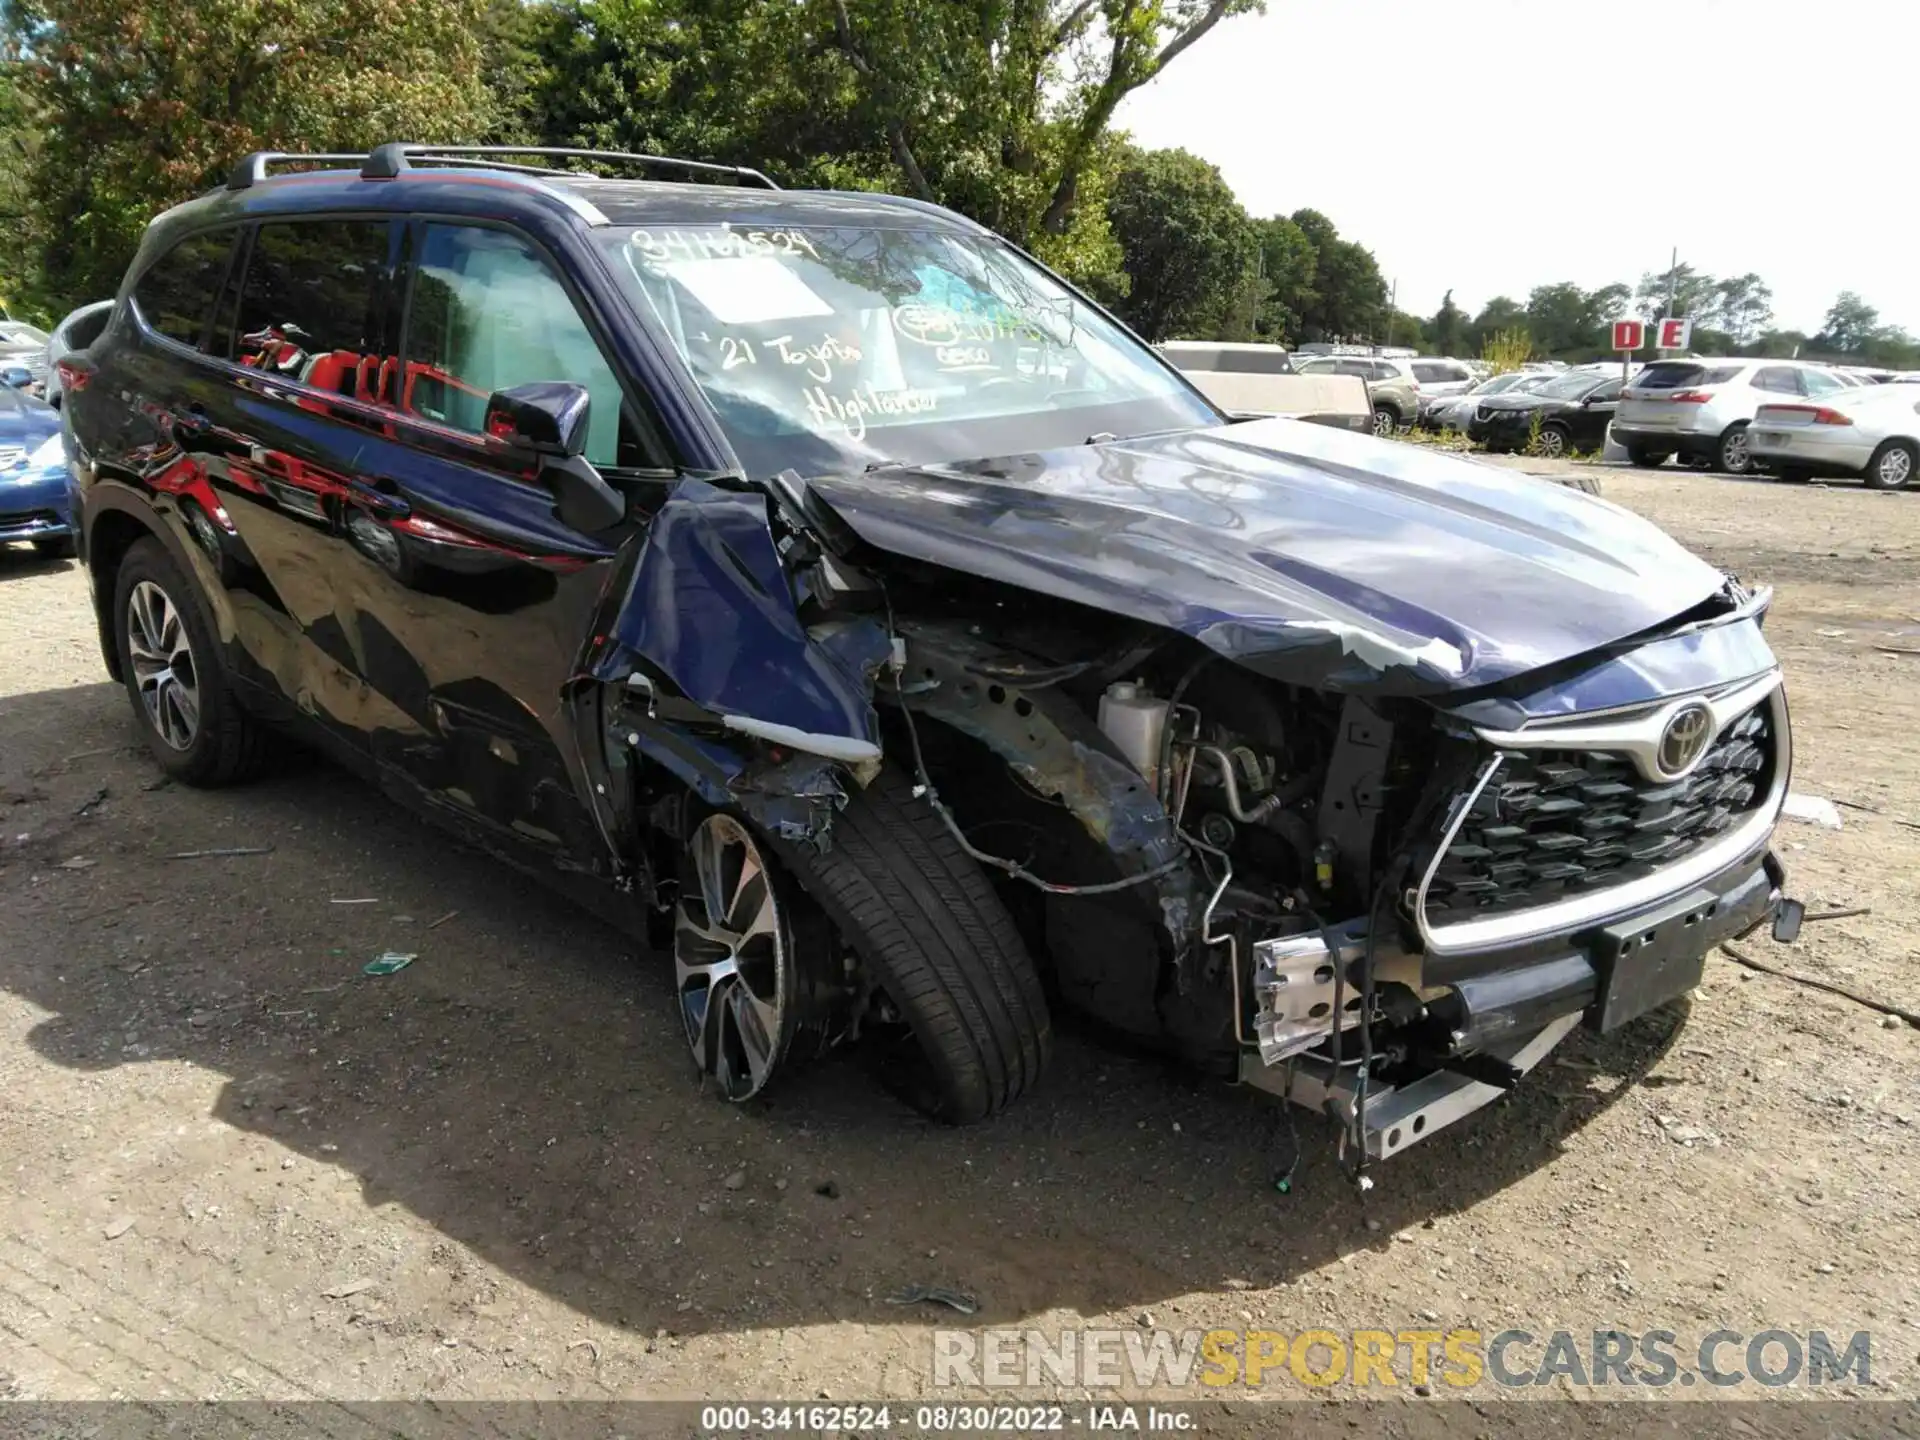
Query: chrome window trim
point(1580, 912)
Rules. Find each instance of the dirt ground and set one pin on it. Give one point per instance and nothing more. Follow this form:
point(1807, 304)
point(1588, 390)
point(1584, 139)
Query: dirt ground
point(235, 1166)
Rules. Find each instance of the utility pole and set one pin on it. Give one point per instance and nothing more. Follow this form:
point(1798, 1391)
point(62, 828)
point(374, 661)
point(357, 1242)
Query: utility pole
point(1673, 277)
point(1393, 302)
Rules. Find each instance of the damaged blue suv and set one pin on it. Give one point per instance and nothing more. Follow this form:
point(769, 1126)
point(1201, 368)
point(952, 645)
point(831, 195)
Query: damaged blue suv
point(818, 586)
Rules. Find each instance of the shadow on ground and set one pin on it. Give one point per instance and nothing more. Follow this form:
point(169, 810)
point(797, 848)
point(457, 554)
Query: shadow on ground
point(522, 1087)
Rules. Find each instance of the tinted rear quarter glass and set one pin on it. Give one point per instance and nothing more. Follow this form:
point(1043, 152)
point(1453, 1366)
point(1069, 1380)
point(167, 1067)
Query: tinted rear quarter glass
point(176, 293)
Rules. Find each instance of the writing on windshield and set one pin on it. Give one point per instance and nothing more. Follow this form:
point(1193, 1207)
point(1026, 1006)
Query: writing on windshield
point(882, 344)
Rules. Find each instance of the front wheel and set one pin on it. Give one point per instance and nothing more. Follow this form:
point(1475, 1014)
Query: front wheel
point(1734, 457)
point(1892, 465)
point(939, 943)
point(1386, 424)
point(1556, 441)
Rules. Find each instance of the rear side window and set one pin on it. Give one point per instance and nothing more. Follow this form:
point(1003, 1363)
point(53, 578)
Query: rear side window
point(176, 294)
point(1778, 380)
point(310, 302)
point(1431, 374)
point(1682, 375)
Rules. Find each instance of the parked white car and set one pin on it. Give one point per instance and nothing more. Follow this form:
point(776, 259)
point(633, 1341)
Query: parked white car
point(1454, 412)
point(1872, 431)
point(1701, 409)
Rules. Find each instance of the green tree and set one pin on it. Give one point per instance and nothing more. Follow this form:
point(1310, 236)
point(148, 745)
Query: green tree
point(1349, 299)
point(1448, 328)
point(1500, 314)
point(1694, 294)
point(1286, 264)
point(141, 103)
point(1188, 246)
point(1000, 107)
point(1852, 325)
point(1742, 307)
point(1570, 323)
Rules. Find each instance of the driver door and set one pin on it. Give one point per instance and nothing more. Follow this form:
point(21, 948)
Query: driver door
point(467, 600)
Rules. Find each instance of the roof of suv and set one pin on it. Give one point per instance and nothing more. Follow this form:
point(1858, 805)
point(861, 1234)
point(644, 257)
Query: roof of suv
point(592, 199)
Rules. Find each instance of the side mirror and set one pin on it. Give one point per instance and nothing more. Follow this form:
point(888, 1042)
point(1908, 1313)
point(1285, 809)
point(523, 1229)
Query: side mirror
point(549, 420)
point(16, 377)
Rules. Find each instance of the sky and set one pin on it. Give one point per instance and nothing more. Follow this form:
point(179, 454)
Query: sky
point(1489, 146)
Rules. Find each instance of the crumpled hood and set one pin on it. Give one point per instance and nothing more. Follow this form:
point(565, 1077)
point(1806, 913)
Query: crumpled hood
point(1302, 551)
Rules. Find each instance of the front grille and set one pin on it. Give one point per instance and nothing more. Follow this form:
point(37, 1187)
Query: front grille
point(1556, 823)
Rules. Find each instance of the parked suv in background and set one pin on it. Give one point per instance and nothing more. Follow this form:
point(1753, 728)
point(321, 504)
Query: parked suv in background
point(1440, 380)
point(1700, 408)
point(820, 586)
point(1391, 387)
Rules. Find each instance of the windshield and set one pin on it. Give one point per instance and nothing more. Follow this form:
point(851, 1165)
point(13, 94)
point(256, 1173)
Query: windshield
point(1569, 387)
point(833, 347)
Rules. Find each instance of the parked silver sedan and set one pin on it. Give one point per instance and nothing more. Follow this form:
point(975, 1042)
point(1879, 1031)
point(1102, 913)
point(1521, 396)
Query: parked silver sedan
point(1453, 412)
point(1872, 431)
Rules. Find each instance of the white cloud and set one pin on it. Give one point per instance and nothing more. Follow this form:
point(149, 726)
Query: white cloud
point(1489, 146)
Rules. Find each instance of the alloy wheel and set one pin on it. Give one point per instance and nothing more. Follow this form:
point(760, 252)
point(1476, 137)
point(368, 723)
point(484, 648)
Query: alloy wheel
point(731, 958)
point(1383, 424)
point(1553, 444)
point(163, 665)
point(1895, 468)
point(1733, 453)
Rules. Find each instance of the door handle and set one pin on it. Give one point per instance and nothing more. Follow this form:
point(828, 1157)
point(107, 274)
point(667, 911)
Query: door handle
point(381, 502)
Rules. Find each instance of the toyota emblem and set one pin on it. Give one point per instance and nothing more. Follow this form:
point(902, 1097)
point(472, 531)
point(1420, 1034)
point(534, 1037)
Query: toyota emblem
point(1685, 739)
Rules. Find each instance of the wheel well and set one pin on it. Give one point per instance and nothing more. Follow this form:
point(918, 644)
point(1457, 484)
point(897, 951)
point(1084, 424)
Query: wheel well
point(109, 536)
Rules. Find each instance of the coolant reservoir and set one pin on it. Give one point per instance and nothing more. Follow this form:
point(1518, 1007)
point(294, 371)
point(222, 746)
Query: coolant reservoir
point(1136, 722)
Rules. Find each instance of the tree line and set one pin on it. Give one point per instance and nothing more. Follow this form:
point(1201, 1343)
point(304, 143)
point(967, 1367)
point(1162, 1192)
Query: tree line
point(112, 110)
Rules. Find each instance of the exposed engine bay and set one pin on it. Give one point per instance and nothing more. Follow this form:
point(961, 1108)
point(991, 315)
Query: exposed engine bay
point(1224, 864)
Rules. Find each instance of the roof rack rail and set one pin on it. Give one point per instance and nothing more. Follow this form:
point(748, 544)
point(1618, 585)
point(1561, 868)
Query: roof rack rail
point(252, 169)
point(388, 161)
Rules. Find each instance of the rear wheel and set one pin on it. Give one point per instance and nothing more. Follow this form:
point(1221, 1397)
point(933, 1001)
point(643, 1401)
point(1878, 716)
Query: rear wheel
point(1385, 423)
point(193, 721)
point(1647, 459)
point(1734, 457)
point(1892, 465)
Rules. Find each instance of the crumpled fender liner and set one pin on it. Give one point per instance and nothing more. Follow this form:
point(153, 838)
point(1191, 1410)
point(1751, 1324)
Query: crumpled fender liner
point(1057, 751)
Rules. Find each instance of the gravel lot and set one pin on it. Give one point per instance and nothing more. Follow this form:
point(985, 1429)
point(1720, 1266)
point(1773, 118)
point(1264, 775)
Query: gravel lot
point(236, 1167)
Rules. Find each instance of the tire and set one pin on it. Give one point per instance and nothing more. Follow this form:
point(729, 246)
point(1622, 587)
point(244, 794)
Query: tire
point(921, 914)
point(195, 727)
point(55, 547)
point(1647, 459)
point(1733, 457)
point(1556, 441)
point(1892, 465)
point(1386, 424)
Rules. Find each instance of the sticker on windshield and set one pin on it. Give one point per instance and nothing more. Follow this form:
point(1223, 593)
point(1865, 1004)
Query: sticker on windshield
point(751, 290)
